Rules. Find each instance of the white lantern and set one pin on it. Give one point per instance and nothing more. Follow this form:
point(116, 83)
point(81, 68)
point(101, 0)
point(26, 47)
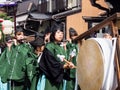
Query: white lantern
point(2, 1)
point(7, 27)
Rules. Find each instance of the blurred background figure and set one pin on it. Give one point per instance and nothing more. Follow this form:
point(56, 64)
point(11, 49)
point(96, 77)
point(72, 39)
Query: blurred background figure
point(107, 35)
point(72, 33)
point(47, 34)
point(72, 48)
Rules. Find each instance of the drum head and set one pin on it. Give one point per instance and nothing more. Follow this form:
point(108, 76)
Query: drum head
point(90, 67)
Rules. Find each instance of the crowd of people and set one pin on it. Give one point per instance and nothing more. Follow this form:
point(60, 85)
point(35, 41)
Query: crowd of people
point(47, 63)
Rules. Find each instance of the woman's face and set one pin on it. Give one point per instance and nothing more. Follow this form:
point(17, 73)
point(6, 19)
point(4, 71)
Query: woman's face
point(58, 36)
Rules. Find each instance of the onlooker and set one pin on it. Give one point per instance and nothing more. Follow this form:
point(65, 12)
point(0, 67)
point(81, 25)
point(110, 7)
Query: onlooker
point(107, 35)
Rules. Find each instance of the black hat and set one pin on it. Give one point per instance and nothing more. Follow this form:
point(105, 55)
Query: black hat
point(47, 30)
point(8, 38)
point(18, 29)
point(37, 42)
point(56, 27)
point(72, 32)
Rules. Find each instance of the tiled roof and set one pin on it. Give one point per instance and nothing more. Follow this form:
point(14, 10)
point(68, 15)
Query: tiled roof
point(40, 16)
point(24, 6)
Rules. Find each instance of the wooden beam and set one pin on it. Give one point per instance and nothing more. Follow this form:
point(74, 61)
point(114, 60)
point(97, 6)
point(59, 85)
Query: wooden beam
point(103, 23)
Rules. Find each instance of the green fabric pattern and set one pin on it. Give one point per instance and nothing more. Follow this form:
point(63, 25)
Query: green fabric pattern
point(18, 64)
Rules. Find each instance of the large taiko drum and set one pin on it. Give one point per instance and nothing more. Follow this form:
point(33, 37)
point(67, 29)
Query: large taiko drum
point(95, 67)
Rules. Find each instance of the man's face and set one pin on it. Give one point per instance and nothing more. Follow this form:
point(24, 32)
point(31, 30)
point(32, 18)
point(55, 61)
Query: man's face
point(20, 36)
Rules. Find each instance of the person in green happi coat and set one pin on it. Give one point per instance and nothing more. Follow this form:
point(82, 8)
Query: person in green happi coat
point(20, 62)
point(72, 47)
point(38, 45)
point(3, 86)
point(54, 60)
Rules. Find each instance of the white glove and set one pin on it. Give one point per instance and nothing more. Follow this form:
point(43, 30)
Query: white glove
point(73, 53)
point(61, 57)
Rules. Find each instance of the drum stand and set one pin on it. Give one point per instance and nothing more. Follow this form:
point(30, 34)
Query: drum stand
point(117, 62)
point(117, 53)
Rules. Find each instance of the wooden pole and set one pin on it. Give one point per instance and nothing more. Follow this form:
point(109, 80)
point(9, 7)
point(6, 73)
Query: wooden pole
point(117, 62)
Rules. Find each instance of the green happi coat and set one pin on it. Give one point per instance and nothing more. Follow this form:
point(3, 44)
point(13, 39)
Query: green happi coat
point(72, 48)
point(51, 82)
point(18, 65)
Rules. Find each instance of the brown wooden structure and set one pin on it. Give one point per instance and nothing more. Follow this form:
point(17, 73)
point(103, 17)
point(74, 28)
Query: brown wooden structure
point(113, 21)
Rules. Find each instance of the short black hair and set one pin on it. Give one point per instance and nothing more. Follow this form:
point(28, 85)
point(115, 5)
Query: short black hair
point(54, 29)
